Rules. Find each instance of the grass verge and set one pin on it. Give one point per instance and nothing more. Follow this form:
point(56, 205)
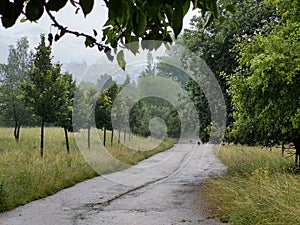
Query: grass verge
point(259, 187)
point(25, 176)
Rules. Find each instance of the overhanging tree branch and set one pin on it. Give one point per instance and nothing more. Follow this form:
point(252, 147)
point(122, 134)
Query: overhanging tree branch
point(89, 42)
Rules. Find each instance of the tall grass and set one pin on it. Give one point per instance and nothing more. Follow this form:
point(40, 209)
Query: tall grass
point(25, 176)
point(259, 187)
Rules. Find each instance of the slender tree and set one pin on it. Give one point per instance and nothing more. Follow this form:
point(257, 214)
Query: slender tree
point(84, 109)
point(64, 113)
point(45, 89)
point(12, 106)
point(265, 87)
point(103, 113)
point(214, 45)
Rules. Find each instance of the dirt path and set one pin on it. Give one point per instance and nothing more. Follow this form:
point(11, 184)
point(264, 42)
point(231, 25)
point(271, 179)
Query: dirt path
point(162, 190)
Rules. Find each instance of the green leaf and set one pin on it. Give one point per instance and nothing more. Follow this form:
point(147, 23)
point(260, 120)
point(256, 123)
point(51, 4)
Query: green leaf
point(34, 10)
point(50, 38)
point(86, 6)
point(167, 45)
point(110, 57)
point(109, 23)
point(73, 3)
point(230, 8)
point(176, 23)
point(134, 47)
point(140, 21)
point(121, 60)
point(89, 42)
point(186, 7)
point(56, 5)
point(2, 6)
point(23, 20)
point(7, 22)
point(11, 11)
point(169, 13)
point(150, 44)
point(114, 5)
point(209, 20)
point(119, 12)
point(222, 19)
point(5, 8)
point(214, 8)
point(168, 38)
point(127, 14)
point(95, 32)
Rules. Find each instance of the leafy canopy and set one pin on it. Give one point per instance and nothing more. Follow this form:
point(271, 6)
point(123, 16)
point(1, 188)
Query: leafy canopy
point(128, 20)
point(265, 87)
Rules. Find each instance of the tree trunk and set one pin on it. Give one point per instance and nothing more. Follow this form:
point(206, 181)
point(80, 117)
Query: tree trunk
point(112, 137)
point(104, 136)
point(67, 140)
point(17, 131)
point(125, 136)
point(89, 137)
point(296, 142)
point(42, 139)
point(119, 137)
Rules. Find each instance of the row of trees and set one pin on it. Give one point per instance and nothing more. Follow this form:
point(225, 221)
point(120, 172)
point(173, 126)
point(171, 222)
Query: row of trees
point(255, 58)
point(34, 91)
point(265, 87)
point(96, 105)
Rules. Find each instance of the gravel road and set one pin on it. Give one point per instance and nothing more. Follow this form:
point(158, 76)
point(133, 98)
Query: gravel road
point(161, 190)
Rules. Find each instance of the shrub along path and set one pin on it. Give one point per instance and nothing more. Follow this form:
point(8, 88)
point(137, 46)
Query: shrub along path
point(162, 189)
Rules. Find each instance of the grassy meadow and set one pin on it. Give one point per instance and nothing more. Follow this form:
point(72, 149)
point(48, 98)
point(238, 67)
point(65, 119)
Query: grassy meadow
point(25, 176)
point(260, 187)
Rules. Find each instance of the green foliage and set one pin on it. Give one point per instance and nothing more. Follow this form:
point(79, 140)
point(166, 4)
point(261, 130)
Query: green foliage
point(56, 5)
point(104, 82)
point(103, 110)
point(121, 60)
point(127, 20)
point(265, 87)
point(198, 97)
point(10, 11)
point(47, 92)
point(148, 108)
point(84, 105)
point(86, 6)
point(119, 112)
point(63, 115)
point(34, 10)
point(103, 107)
point(214, 45)
point(139, 118)
point(44, 90)
point(12, 74)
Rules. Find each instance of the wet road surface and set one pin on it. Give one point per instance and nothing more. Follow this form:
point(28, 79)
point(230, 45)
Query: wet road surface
point(161, 190)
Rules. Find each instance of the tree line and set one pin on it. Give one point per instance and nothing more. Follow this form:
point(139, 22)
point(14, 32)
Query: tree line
point(34, 91)
point(255, 58)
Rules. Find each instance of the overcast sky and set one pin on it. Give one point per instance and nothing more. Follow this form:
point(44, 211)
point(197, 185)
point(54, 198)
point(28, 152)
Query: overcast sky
point(69, 48)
